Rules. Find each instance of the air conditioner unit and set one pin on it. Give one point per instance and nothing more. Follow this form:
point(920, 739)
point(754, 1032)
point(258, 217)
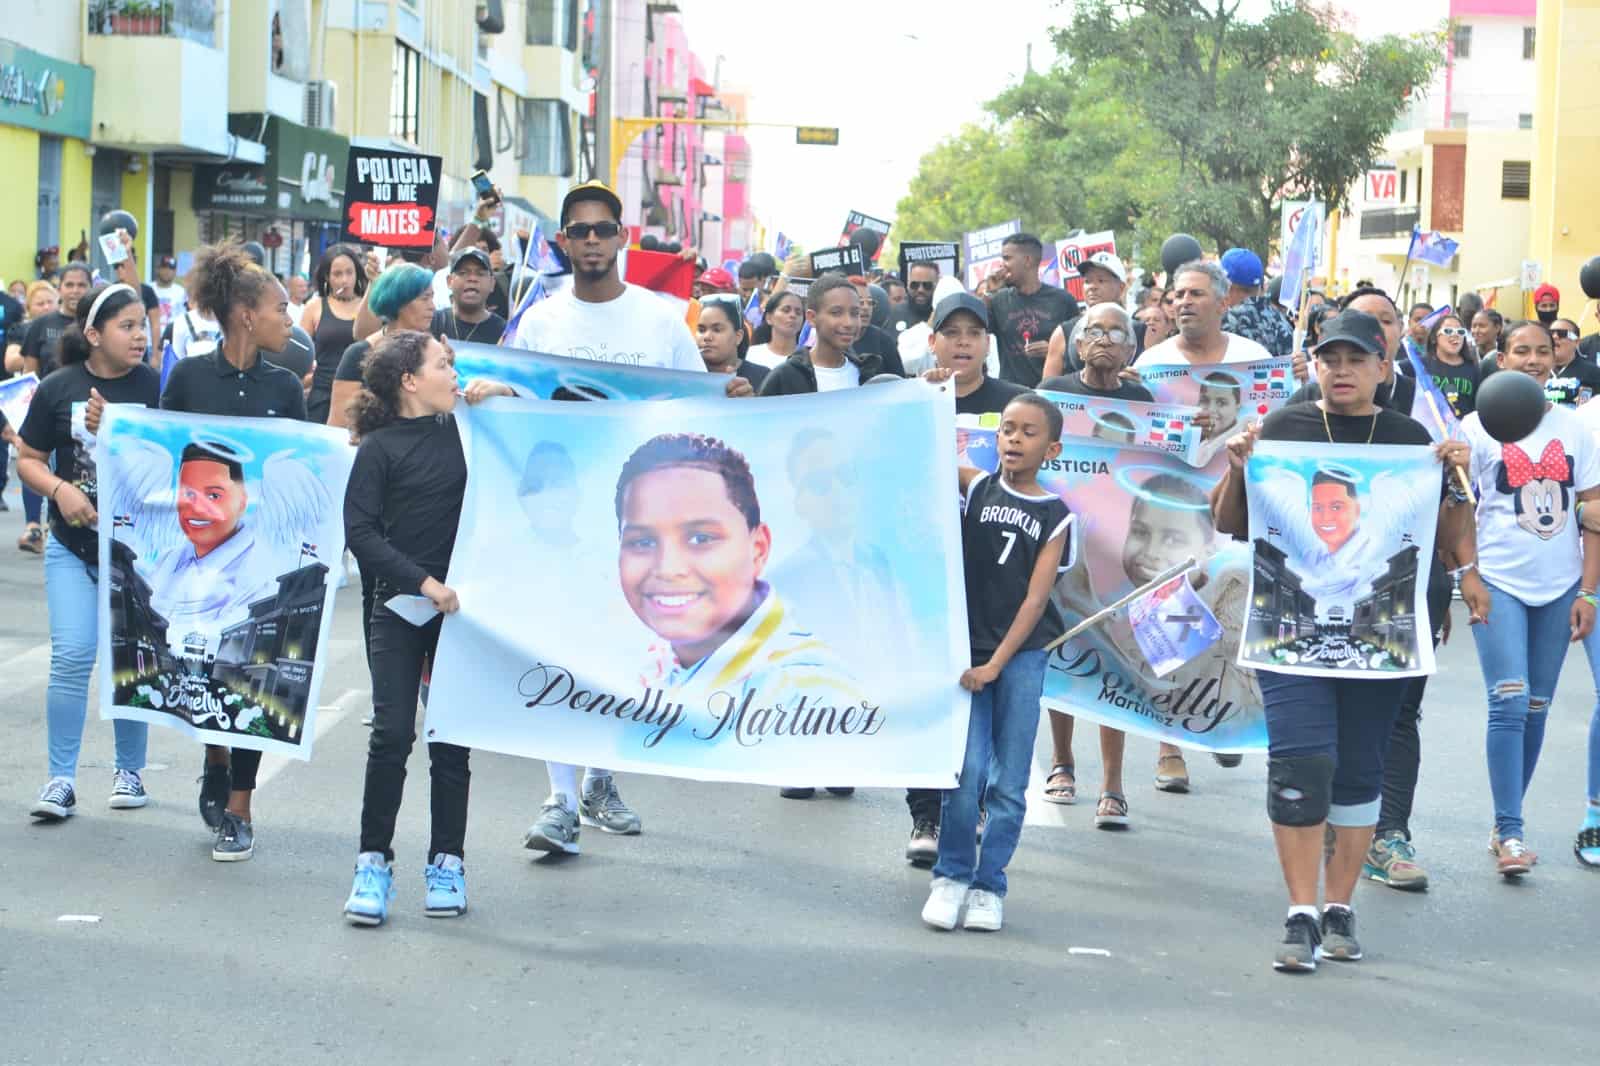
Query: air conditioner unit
point(320, 96)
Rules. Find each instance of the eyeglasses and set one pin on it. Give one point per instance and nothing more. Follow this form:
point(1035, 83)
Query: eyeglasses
point(579, 231)
point(1452, 331)
point(1566, 334)
point(1094, 333)
point(920, 286)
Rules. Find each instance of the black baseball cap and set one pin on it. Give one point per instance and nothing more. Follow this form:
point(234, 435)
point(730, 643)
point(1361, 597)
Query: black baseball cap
point(960, 301)
point(471, 254)
point(1356, 328)
point(598, 191)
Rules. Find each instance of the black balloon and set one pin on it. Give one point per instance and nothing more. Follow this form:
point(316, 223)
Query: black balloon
point(868, 240)
point(1510, 405)
point(672, 246)
point(650, 243)
point(1589, 278)
point(112, 221)
point(1179, 249)
point(256, 252)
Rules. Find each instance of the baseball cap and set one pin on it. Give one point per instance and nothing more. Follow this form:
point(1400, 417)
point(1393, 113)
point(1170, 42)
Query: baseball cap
point(960, 301)
point(166, 261)
point(718, 279)
point(598, 191)
point(1107, 262)
point(471, 254)
point(1242, 266)
point(1353, 327)
point(1546, 292)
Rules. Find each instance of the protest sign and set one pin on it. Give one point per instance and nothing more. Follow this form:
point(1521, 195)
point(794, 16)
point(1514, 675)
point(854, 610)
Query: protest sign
point(946, 255)
point(15, 396)
point(856, 220)
point(1073, 252)
point(844, 260)
point(1138, 513)
point(1342, 537)
point(1231, 393)
point(540, 376)
point(216, 543)
point(983, 249)
point(728, 590)
point(391, 197)
point(1165, 427)
point(801, 287)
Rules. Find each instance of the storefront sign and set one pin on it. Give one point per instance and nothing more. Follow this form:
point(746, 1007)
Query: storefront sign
point(302, 178)
point(44, 93)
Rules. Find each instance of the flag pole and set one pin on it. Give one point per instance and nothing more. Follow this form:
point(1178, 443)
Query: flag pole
point(1110, 609)
point(1415, 232)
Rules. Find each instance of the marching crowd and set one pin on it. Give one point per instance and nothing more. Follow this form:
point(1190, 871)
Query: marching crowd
point(369, 349)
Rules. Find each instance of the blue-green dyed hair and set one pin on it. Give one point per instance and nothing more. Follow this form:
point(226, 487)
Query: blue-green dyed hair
point(396, 287)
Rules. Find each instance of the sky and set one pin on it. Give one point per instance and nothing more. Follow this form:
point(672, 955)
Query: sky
point(896, 77)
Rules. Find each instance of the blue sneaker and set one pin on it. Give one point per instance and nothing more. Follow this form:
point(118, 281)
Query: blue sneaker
point(446, 879)
point(370, 894)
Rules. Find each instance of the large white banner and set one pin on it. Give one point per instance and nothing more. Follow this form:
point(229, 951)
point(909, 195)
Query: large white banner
point(721, 590)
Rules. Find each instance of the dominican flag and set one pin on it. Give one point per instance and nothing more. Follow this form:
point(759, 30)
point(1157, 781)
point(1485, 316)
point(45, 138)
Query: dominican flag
point(785, 246)
point(1429, 406)
point(307, 548)
point(535, 293)
point(1432, 247)
point(804, 340)
point(752, 310)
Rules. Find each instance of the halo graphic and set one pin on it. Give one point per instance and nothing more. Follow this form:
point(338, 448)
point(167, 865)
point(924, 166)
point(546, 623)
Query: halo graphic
point(1125, 478)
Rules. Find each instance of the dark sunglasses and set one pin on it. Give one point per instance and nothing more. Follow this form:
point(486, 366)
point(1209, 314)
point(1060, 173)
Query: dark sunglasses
point(920, 286)
point(579, 231)
point(1566, 334)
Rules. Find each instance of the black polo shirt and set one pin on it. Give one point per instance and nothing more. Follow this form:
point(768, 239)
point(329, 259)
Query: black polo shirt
point(210, 385)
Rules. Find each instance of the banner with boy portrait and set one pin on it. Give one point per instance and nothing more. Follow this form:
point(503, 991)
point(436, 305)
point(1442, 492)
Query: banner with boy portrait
point(538, 375)
point(1231, 393)
point(712, 590)
point(220, 543)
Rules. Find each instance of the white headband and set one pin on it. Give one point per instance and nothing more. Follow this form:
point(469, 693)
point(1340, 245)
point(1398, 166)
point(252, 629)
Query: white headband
point(110, 290)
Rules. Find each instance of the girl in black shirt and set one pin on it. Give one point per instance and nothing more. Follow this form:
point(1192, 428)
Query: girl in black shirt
point(400, 516)
point(101, 361)
point(233, 380)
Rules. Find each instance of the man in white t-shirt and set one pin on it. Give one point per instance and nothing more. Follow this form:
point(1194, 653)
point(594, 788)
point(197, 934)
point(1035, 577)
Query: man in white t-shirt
point(173, 297)
point(600, 317)
point(1200, 291)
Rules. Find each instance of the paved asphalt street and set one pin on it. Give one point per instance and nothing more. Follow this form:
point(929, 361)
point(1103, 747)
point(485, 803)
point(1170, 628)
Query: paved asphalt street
point(742, 928)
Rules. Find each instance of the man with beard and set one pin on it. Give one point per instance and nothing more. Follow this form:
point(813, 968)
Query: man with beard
point(468, 318)
point(910, 319)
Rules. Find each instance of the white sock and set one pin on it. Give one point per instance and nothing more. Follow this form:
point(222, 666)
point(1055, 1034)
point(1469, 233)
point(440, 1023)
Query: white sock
point(564, 780)
point(372, 858)
point(71, 782)
point(1330, 906)
point(1305, 909)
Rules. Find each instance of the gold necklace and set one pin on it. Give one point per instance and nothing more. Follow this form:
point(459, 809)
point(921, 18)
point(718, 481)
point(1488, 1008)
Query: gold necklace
point(1329, 429)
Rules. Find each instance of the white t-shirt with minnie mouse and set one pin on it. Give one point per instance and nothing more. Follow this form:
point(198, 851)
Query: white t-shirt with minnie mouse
point(1528, 540)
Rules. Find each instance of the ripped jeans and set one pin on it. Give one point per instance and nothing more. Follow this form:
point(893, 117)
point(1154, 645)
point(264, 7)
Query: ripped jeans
point(1520, 652)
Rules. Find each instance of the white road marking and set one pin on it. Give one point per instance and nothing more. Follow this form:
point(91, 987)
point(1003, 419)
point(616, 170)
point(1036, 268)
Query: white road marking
point(91, 919)
point(1101, 952)
point(328, 716)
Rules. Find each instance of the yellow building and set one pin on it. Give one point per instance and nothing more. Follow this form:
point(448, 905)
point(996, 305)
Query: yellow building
point(1565, 229)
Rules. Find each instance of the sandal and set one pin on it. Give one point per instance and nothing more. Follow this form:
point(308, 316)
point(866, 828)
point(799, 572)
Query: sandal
point(1112, 811)
point(1172, 774)
point(1065, 794)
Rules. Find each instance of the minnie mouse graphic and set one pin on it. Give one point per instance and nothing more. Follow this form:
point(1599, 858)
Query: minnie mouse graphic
point(1538, 489)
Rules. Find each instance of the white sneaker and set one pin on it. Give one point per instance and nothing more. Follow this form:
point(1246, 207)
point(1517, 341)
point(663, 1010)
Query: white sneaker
point(983, 911)
point(943, 909)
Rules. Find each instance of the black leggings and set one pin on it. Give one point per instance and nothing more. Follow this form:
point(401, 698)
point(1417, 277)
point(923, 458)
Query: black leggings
point(401, 656)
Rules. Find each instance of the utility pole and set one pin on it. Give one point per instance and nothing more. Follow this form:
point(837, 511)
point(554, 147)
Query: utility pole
point(604, 83)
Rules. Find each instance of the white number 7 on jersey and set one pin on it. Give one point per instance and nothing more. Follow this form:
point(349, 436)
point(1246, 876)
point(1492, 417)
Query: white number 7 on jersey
point(1011, 542)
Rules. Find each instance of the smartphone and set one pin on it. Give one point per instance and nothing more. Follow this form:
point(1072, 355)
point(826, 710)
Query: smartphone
point(112, 248)
point(484, 187)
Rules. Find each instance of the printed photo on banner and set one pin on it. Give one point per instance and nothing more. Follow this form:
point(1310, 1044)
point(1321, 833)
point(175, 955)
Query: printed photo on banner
point(1342, 538)
point(216, 545)
point(1167, 428)
point(391, 198)
point(1139, 513)
point(15, 396)
point(732, 591)
point(1231, 393)
point(554, 377)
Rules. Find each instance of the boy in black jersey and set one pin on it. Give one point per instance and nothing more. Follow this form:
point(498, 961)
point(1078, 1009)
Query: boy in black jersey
point(1014, 537)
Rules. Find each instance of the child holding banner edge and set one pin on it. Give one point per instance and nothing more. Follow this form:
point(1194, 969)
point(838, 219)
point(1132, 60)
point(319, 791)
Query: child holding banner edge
point(1014, 541)
point(1327, 736)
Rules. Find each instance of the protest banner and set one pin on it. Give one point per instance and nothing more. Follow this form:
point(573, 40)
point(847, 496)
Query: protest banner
point(1138, 513)
point(856, 220)
point(845, 260)
point(1231, 393)
point(726, 591)
point(982, 249)
point(391, 198)
point(1167, 428)
point(15, 396)
point(946, 255)
point(1072, 252)
point(216, 543)
point(1342, 536)
point(538, 375)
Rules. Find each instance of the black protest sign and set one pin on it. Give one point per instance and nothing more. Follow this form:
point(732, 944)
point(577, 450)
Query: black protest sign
point(946, 255)
point(801, 287)
point(856, 220)
point(391, 198)
point(846, 260)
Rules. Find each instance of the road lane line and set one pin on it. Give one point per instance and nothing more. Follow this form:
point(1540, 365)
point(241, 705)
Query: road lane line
point(328, 716)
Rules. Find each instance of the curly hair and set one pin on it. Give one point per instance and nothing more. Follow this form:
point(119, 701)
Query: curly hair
point(390, 360)
point(701, 453)
point(224, 278)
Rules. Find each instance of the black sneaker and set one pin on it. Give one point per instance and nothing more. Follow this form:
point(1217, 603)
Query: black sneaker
point(1298, 952)
point(57, 801)
point(1339, 935)
point(236, 839)
point(922, 850)
point(1227, 759)
point(215, 784)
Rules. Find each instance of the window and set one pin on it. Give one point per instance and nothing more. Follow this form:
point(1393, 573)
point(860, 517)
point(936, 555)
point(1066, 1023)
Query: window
point(405, 93)
point(547, 137)
point(1525, 121)
point(1515, 179)
point(1463, 42)
point(553, 22)
point(1527, 42)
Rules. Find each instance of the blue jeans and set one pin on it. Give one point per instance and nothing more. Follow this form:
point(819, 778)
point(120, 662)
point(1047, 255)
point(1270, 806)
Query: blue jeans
point(74, 632)
point(1000, 734)
point(1520, 652)
point(1591, 645)
point(1350, 719)
point(32, 504)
